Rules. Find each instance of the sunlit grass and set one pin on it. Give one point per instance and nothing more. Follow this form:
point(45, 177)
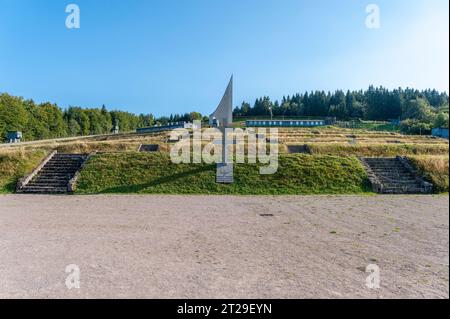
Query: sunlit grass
point(15, 164)
point(435, 169)
point(155, 173)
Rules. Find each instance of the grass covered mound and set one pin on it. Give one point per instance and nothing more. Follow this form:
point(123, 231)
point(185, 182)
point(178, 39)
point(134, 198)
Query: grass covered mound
point(435, 169)
point(378, 150)
point(16, 164)
point(145, 173)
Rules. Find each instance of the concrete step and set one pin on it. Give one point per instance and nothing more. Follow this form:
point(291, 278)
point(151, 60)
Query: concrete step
point(394, 177)
point(47, 185)
point(44, 190)
point(401, 185)
point(49, 169)
point(55, 175)
point(63, 164)
point(52, 178)
point(48, 182)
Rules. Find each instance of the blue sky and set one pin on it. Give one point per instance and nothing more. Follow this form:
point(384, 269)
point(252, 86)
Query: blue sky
point(174, 56)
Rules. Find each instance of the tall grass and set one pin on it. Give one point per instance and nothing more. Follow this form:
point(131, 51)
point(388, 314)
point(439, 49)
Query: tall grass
point(378, 150)
point(15, 164)
point(435, 169)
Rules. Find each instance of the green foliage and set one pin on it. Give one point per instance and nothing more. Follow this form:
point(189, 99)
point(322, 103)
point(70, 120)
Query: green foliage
point(46, 120)
point(420, 111)
point(373, 104)
point(411, 126)
point(14, 115)
point(155, 173)
point(15, 165)
point(441, 120)
point(195, 116)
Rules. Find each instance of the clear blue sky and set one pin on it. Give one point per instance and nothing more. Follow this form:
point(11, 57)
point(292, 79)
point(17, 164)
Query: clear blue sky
point(174, 56)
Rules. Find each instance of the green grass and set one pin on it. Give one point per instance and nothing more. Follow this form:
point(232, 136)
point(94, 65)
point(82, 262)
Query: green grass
point(385, 127)
point(14, 165)
point(145, 173)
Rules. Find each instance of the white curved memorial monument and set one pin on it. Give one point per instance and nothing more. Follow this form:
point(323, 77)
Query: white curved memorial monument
point(223, 118)
point(223, 115)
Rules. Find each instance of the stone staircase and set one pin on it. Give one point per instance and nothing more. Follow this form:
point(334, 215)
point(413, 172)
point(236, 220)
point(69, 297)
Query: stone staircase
point(55, 175)
point(395, 176)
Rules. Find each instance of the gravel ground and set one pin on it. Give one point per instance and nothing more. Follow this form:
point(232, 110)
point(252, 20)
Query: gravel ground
point(221, 246)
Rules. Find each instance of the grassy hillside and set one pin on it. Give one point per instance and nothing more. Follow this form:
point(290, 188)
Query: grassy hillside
point(331, 169)
point(378, 150)
point(154, 173)
point(16, 164)
point(435, 169)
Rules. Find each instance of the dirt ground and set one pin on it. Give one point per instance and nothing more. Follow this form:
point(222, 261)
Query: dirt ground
point(221, 246)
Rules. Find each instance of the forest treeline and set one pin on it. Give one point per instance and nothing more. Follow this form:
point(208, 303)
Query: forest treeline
point(418, 111)
point(47, 120)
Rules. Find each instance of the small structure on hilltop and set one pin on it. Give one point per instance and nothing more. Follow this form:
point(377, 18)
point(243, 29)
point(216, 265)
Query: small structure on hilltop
point(150, 148)
point(331, 120)
point(440, 132)
point(115, 129)
point(285, 123)
point(162, 128)
point(13, 136)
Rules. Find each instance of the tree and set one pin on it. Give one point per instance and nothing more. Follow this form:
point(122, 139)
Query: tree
point(13, 115)
point(417, 109)
point(411, 126)
point(195, 116)
point(441, 120)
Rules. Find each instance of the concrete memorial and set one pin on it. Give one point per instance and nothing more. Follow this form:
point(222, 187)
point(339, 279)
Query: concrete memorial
point(223, 118)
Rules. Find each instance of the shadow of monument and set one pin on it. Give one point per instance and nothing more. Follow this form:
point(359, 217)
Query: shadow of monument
point(159, 181)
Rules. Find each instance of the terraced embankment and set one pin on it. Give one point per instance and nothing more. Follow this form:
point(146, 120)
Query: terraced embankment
point(16, 164)
point(155, 173)
point(331, 168)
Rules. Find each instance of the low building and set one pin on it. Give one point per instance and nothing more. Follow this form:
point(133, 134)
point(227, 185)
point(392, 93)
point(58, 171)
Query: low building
point(440, 132)
point(285, 123)
point(395, 122)
point(13, 136)
point(162, 128)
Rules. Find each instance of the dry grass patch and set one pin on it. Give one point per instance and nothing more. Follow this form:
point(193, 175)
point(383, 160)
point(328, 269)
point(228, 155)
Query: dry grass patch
point(435, 169)
point(378, 150)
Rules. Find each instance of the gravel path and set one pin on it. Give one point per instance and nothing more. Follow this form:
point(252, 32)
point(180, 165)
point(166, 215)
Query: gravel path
point(221, 247)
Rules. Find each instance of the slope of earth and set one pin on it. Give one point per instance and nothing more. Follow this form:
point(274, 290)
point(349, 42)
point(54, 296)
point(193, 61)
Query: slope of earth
point(155, 173)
